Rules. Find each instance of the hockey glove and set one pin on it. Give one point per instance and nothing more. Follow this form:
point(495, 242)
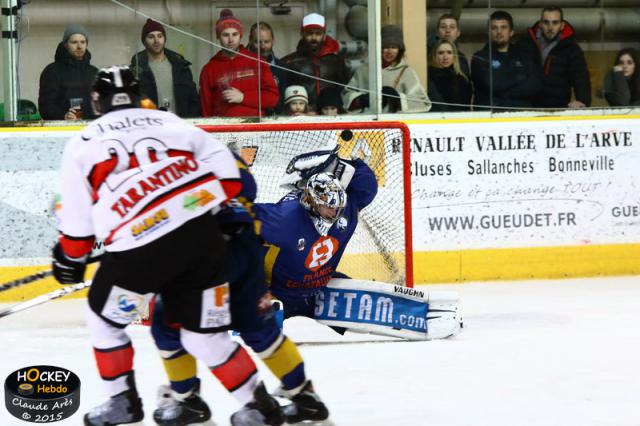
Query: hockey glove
point(303, 166)
point(66, 270)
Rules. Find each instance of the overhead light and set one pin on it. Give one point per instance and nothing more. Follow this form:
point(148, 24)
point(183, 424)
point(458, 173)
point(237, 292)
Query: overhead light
point(281, 9)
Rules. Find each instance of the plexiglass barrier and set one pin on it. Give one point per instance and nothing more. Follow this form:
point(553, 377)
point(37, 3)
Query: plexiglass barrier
point(200, 59)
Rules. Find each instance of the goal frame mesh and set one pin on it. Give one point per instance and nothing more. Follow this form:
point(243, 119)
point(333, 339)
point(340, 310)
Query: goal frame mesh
point(355, 125)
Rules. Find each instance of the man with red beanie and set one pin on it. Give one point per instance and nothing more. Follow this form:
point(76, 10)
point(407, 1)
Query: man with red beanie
point(316, 56)
point(234, 83)
point(165, 76)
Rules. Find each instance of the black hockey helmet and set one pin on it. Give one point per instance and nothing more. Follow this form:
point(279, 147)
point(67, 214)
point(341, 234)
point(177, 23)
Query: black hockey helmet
point(115, 87)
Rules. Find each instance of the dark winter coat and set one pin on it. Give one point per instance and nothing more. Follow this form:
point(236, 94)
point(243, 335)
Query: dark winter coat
point(447, 87)
point(64, 79)
point(517, 78)
point(280, 76)
point(618, 90)
point(326, 64)
point(464, 63)
point(564, 68)
point(184, 89)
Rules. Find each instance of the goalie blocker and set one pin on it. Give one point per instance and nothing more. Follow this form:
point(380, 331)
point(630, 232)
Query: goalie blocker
point(389, 310)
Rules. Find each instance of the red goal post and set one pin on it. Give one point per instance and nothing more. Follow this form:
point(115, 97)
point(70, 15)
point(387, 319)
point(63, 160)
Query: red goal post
point(381, 249)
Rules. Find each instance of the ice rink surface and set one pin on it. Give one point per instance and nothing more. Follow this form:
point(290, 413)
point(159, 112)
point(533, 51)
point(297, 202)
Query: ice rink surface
point(544, 353)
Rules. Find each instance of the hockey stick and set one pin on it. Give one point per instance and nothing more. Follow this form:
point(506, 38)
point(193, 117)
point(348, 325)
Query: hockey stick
point(38, 276)
point(25, 280)
point(39, 300)
point(354, 342)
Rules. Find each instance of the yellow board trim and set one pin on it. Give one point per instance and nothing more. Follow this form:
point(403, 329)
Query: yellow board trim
point(526, 263)
point(41, 129)
point(521, 119)
point(417, 121)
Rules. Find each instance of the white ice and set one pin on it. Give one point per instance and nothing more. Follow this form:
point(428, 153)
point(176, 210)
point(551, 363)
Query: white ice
point(542, 353)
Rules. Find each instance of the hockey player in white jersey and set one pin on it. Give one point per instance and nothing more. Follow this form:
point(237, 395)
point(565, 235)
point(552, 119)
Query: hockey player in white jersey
point(146, 183)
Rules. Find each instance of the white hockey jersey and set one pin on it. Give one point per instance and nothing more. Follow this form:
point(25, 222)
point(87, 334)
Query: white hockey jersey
point(134, 175)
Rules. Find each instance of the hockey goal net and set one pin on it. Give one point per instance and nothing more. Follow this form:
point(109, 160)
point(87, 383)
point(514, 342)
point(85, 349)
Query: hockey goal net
point(381, 247)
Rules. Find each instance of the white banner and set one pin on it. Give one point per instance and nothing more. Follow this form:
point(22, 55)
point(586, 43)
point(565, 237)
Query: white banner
point(525, 183)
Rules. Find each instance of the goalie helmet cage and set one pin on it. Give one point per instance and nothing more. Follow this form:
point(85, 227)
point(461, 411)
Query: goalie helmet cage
point(381, 248)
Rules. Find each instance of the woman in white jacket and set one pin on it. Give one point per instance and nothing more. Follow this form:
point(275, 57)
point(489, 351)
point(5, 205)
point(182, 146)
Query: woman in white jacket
point(402, 90)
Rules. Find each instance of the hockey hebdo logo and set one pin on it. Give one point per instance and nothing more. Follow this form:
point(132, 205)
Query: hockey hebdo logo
point(42, 394)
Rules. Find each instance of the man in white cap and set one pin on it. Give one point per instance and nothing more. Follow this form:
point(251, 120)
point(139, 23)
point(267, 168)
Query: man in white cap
point(316, 61)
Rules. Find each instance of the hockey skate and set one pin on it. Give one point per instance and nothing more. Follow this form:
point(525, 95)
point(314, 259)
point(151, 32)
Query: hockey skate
point(263, 410)
point(121, 409)
point(175, 412)
point(306, 406)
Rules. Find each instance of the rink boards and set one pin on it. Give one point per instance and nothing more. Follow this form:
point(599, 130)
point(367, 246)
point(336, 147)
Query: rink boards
point(493, 198)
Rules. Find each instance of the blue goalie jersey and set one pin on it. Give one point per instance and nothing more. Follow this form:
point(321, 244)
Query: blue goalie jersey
point(299, 261)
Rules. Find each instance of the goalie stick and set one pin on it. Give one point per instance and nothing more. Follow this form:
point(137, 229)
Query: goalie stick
point(44, 298)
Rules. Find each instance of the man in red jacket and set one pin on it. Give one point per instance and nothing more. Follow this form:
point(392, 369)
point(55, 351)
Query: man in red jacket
point(231, 84)
point(316, 61)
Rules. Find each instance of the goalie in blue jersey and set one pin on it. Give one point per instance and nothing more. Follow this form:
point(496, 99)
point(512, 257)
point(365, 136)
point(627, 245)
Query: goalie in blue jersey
point(306, 234)
point(307, 231)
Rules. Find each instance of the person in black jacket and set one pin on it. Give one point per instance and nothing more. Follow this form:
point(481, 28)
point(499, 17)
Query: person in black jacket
point(503, 74)
point(262, 42)
point(65, 84)
point(448, 28)
point(552, 42)
point(317, 55)
point(165, 76)
point(449, 87)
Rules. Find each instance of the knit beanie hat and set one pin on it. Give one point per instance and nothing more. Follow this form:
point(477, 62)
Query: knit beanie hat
point(151, 26)
point(295, 93)
point(330, 97)
point(392, 35)
point(313, 20)
point(74, 29)
point(227, 20)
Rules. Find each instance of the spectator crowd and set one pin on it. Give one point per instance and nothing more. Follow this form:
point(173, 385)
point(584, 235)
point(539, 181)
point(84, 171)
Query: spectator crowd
point(545, 68)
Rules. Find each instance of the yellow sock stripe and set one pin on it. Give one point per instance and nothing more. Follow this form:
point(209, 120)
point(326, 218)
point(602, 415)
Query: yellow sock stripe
point(284, 359)
point(180, 368)
point(269, 261)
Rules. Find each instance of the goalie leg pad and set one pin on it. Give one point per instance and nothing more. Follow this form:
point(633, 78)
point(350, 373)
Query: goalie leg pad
point(388, 310)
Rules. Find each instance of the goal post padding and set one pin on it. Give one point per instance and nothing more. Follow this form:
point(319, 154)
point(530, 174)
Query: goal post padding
point(381, 248)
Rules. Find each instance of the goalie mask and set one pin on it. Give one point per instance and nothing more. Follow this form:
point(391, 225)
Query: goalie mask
point(114, 88)
point(325, 200)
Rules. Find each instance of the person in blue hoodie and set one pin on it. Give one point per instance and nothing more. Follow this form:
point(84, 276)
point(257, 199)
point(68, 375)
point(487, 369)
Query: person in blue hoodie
point(68, 79)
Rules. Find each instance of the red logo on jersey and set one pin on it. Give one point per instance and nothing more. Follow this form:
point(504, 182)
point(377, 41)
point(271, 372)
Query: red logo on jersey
point(321, 252)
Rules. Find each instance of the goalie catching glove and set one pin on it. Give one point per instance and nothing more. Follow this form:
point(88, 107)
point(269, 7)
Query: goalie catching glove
point(67, 270)
point(303, 166)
